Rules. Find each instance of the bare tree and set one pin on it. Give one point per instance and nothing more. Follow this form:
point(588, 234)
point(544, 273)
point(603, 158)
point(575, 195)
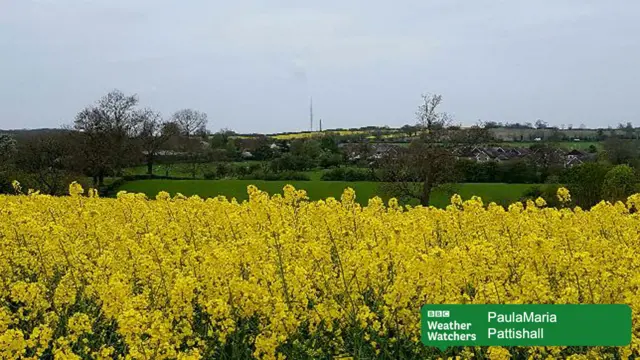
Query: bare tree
point(7, 149)
point(45, 162)
point(192, 125)
point(413, 172)
point(546, 158)
point(429, 119)
point(190, 122)
point(7, 152)
point(428, 162)
point(621, 151)
point(106, 131)
point(541, 124)
point(154, 134)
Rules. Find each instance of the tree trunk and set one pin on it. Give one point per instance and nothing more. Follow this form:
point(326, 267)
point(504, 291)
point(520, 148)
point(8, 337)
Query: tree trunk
point(149, 165)
point(426, 192)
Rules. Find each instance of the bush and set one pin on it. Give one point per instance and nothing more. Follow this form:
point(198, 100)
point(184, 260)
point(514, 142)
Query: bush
point(270, 176)
point(328, 160)
point(512, 172)
point(220, 171)
point(111, 189)
point(585, 183)
point(224, 170)
point(518, 172)
point(334, 175)
point(290, 162)
point(5, 184)
point(471, 171)
point(533, 193)
point(547, 192)
point(245, 170)
point(619, 183)
point(147, 177)
point(349, 174)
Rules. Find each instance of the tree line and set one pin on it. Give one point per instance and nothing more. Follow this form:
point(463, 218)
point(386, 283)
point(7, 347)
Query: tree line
point(430, 161)
point(116, 133)
point(104, 138)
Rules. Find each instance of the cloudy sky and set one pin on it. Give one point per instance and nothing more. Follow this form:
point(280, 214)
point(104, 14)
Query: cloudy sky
point(253, 64)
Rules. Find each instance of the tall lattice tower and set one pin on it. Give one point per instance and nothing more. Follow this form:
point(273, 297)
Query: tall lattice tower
point(311, 114)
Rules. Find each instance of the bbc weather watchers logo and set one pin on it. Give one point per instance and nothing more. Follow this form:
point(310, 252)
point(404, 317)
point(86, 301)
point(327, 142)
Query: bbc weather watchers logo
point(438, 313)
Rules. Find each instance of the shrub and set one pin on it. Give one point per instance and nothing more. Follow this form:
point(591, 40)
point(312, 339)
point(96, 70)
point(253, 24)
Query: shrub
point(290, 162)
point(349, 174)
point(328, 160)
point(512, 172)
point(334, 175)
point(518, 172)
point(5, 184)
point(271, 176)
point(585, 183)
point(619, 183)
point(221, 170)
point(224, 170)
point(533, 193)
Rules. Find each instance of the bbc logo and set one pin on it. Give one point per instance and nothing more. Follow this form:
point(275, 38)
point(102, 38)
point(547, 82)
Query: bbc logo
point(438, 313)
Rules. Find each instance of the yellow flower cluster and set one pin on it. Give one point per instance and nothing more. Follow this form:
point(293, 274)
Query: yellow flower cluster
point(283, 277)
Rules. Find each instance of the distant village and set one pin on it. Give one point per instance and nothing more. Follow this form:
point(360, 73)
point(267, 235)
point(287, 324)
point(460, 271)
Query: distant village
point(481, 154)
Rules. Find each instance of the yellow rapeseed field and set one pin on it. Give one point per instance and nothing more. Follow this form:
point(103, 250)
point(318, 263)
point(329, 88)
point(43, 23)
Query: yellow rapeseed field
point(280, 276)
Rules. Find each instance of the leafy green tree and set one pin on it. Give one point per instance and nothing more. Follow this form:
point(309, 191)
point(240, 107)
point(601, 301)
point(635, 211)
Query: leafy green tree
point(585, 183)
point(291, 162)
point(621, 151)
point(409, 130)
point(221, 139)
point(328, 159)
point(619, 183)
point(329, 143)
point(306, 147)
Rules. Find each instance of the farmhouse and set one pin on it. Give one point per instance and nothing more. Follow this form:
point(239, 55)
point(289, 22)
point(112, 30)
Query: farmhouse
point(380, 150)
point(577, 157)
point(497, 153)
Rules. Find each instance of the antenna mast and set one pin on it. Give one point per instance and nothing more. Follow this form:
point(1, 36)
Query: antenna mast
point(311, 114)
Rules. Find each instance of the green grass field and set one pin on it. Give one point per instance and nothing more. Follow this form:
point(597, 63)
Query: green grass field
point(501, 193)
point(182, 170)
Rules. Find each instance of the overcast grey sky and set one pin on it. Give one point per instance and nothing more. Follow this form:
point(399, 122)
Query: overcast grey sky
point(252, 64)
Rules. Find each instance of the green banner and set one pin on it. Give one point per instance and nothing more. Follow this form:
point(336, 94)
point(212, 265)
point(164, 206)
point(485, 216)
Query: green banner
point(444, 326)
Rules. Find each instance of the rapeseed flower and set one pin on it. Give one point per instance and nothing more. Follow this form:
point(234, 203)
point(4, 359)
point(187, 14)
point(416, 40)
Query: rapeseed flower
point(284, 277)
